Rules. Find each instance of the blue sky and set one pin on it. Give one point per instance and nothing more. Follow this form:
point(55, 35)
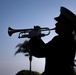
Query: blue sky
point(20, 14)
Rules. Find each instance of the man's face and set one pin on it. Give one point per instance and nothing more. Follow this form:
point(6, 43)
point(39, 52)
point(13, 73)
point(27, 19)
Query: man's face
point(62, 27)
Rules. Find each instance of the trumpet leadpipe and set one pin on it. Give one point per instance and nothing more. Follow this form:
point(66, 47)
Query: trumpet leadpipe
point(52, 29)
point(47, 29)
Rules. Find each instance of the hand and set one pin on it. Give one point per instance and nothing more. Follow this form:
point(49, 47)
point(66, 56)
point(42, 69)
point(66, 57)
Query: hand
point(35, 32)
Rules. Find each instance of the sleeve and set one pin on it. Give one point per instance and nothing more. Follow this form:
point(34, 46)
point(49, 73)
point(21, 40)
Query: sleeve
point(37, 47)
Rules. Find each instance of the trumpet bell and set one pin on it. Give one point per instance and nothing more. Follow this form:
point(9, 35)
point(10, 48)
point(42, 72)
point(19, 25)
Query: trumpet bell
point(10, 31)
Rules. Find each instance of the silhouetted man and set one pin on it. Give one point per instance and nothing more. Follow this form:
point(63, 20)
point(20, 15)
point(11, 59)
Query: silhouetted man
point(59, 53)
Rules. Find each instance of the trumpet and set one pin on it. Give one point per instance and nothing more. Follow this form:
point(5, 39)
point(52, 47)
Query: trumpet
point(23, 33)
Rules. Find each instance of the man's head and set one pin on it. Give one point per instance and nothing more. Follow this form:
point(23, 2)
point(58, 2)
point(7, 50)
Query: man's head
point(66, 21)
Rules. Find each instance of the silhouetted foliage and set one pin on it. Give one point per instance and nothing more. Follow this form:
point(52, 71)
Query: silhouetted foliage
point(23, 48)
point(27, 72)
